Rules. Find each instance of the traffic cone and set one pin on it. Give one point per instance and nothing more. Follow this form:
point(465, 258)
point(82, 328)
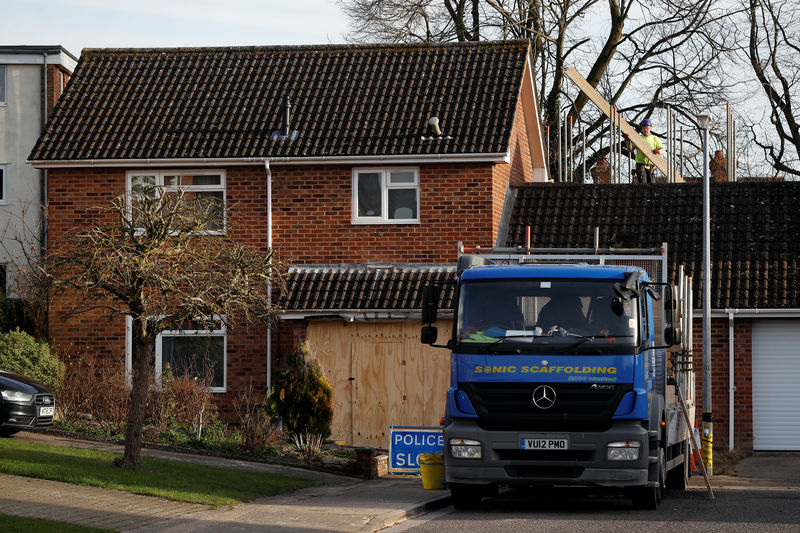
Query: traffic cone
point(695, 463)
point(695, 471)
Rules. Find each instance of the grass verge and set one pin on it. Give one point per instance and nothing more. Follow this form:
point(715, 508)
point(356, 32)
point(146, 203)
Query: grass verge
point(174, 480)
point(15, 524)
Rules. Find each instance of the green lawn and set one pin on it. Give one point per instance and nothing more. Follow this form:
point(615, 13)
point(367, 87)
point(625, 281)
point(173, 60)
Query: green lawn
point(15, 524)
point(185, 482)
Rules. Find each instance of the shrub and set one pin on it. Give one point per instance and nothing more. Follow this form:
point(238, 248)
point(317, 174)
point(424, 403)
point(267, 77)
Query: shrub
point(182, 403)
point(77, 388)
point(301, 395)
point(22, 354)
point(257, 430)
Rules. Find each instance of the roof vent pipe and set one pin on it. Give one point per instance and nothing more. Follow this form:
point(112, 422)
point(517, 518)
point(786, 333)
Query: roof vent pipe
point(286, 112)
point(433, 122)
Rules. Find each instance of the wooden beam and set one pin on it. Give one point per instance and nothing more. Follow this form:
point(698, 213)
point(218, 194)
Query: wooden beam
point(627, 129)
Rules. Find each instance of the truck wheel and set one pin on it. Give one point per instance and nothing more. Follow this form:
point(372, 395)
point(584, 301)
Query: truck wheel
point(466, 497)
point(649, 497)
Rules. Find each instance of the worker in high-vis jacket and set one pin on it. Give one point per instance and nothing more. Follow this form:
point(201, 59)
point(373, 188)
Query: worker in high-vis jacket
point(644, 167)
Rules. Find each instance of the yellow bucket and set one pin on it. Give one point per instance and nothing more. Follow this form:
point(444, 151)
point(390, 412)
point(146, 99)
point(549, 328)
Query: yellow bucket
point(431, 467)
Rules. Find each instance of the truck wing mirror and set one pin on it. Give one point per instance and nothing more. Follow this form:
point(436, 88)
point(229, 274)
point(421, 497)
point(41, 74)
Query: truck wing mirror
point(429, 334)
point(672, 336)
point(670, 303)
point(430, 302)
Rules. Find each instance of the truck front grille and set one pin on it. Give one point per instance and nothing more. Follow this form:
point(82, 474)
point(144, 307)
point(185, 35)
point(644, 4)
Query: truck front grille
point(578, 406)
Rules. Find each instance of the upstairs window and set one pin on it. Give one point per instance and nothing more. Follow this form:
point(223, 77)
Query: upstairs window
point(3, 184)
point(3, 85)
point(205, 187)
point(386, 196)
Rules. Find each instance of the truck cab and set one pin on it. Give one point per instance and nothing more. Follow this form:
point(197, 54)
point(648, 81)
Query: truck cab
point(554, 380)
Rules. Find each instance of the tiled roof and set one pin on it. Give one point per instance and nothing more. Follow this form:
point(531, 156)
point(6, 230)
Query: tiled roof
point(222, 103)
point(755, 231)
point(364, 287)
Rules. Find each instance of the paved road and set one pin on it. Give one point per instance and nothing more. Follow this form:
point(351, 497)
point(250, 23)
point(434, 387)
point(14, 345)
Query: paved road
point(734, 509)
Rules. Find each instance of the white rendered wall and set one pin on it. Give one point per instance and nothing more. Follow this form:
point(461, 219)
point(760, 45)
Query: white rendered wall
point(19, 128)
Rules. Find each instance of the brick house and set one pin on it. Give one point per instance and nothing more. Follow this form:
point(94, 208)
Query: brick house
point(32, 79)
point(367, 160)
point(755, 291)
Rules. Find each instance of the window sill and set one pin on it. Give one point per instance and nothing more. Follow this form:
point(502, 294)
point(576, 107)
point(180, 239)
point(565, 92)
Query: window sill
point(384, 222)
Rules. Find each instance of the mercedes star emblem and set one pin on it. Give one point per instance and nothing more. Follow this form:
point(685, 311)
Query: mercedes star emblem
point(544, 397)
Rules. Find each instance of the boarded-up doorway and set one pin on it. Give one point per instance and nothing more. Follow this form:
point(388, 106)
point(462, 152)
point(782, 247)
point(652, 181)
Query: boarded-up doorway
point(381, 376)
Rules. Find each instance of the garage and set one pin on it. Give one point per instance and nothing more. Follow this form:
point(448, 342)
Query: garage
point(776, 394)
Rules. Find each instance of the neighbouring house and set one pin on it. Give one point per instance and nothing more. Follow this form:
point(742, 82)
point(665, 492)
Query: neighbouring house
point(755, 285)
point(370, 161)
point(31, 80)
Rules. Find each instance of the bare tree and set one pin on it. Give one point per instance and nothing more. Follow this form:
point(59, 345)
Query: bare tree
point(165, 261)
point(641, 56)
point(773, 48)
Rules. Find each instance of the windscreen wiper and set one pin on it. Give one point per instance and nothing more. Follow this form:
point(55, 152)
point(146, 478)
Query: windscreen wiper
point(585, 338)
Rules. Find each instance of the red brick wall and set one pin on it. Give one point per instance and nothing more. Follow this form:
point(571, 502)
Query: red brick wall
point(57, 78)
point(720, 381)
point(312, 210)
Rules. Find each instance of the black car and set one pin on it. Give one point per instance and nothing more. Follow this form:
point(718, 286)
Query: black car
point(24, 404)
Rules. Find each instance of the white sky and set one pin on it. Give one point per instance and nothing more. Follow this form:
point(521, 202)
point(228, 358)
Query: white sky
point(78, 24)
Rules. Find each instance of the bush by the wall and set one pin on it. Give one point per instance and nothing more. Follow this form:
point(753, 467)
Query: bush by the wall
point(301, 395)
point(22, 354)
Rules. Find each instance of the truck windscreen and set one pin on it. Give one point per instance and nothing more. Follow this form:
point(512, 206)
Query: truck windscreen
point(546, 316)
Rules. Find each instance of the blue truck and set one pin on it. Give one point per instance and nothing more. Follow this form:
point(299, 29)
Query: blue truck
point(560, 373)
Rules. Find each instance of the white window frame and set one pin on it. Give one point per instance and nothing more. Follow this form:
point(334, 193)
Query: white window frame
point(385, 175)
point(160, 187)
point(4, 85)
point(4, 184)
point(221, 331)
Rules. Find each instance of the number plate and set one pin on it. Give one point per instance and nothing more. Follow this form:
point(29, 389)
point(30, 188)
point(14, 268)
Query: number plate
point(46, 411)
point(544, 444)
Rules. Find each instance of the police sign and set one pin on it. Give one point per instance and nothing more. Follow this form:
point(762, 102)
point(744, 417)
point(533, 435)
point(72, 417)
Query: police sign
point(408, 442)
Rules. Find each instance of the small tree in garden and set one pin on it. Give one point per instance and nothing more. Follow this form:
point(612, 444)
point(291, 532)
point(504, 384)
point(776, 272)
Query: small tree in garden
point(301, 395)
point(164, 258)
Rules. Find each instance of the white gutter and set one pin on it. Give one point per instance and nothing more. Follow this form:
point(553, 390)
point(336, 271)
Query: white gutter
point(502, 157)
point(269, 286)
point(352, 315)
point(760, 313)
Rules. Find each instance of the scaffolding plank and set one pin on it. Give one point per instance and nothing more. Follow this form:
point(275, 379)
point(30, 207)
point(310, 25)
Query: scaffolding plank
point(627, 129)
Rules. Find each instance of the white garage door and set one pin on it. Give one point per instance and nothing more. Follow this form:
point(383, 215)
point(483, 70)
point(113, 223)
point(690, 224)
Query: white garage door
point(776, 384)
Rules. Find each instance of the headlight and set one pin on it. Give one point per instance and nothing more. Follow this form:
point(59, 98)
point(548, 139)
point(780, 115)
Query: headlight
point(465, 449)
point(627, 450)
point(16, 396)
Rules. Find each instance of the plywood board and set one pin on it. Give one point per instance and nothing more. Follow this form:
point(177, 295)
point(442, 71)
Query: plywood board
point(627, 129)
point(396, 379)
point(330, 344)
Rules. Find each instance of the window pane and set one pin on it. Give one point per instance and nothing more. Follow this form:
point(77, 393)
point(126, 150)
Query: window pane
point(194, 203)
point(2, 183)
point(195, 355)
point(205, 180)
point(402, 177)
point(2, 84)
point(188, 181)
point(402, 204)
point(139, 183)
point(369, 195)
